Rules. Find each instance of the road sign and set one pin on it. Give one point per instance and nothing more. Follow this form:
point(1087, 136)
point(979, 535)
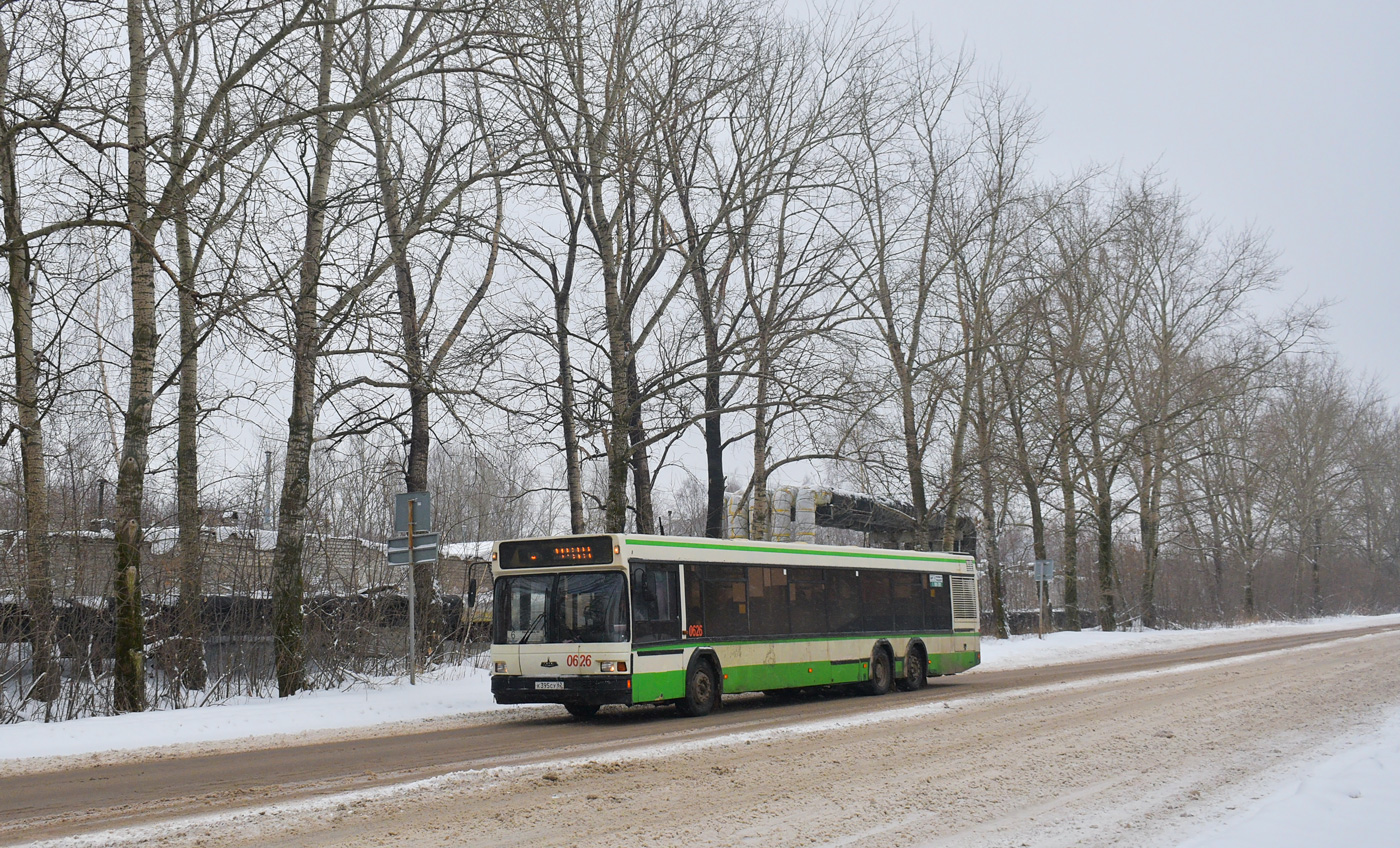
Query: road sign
point(422, 512)
point(1044, 570)
point(425, 548)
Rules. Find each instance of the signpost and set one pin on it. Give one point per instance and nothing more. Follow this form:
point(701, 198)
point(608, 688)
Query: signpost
point(1044, 572)
point(413, 511)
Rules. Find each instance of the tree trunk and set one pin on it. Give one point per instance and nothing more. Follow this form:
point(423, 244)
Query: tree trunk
point(760, 513)
point(288, 585)
point(914, 460)
point(620, 421)
point(129, 674)
point(1103, 525)
point(1150, 518)
point(1249, 612)
point(1250, 560)
point(641, 464)
point(190, 646)
point(996, 582)
point(1316, 567)
point(38, 585)
point(619, 354)
point(1149, 524)
point(1071, 513)
point(714, 451)
point(955, 469)
point(430, 622)
point(573, 464)
point(714, 363)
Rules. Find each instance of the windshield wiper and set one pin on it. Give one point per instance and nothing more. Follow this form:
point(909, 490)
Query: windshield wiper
point(531, 629)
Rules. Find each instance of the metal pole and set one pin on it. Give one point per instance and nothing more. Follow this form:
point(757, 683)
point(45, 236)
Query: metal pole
point(1040, 602)
point(412, 590)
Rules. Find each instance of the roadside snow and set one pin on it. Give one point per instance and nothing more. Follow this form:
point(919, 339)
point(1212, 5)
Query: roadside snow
point(449, 692)
point(1068, 647)
point(459, 691)
point(1350, 799)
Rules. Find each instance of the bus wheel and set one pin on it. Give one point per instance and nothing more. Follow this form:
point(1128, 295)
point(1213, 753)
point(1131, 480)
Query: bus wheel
point(915, 670)
point(582, 710)
point(701, 691)
point(881, 674)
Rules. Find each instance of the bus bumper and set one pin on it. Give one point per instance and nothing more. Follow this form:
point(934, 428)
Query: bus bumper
point(579, 689)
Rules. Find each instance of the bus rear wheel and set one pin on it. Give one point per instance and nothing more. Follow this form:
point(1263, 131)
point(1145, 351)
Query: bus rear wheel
point(915, 670)
point(582, 710)
point(881, 674)
point(701, 691)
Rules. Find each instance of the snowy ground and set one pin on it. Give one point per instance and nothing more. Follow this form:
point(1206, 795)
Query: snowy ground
point(1347, 799)
point(444, 693)
point(1350, 799)
point(460, 690)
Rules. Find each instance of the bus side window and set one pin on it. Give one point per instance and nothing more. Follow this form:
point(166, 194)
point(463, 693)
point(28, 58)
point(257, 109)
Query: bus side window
point(908, 601)
point(843, 600)
point(875, 596)
point(768, 602)
point(940, 602)
point(807, 589)
point(656, 603)
point(724, 596)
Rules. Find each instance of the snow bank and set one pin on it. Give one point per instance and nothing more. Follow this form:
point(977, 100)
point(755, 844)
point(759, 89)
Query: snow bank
point(441, 694)
point(1085, 645)
point(1350, 799)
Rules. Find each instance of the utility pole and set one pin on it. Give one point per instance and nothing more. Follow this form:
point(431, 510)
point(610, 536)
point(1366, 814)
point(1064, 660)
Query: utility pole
point(412, 550)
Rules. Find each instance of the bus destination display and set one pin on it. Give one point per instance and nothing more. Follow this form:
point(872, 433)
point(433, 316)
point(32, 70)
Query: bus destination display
point(592, 550)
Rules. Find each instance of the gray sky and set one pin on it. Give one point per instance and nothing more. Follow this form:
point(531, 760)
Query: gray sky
point(1280, 115)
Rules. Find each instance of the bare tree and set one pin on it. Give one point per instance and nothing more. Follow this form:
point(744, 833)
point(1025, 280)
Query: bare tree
point(1193, 296)
point(899, 165)
point(29, 412)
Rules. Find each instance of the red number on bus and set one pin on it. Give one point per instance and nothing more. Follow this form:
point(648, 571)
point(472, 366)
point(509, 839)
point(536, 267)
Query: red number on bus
point(579, 660)
point(695, 631)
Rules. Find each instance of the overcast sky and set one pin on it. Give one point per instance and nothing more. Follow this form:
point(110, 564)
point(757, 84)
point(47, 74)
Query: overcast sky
point(1280, 115)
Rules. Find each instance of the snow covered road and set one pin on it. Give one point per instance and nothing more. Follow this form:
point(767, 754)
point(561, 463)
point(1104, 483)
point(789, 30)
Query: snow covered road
point(1137, 748)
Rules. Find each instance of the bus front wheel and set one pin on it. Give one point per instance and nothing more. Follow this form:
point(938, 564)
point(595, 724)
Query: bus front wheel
point(701, 691)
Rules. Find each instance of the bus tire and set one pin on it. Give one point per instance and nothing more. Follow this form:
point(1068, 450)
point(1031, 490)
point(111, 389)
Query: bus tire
point(881, 672)
point(915, 669)
point(582, 710)
point(701, 690)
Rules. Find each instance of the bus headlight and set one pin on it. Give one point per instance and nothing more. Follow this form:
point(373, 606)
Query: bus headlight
point(608, 666)
point(500, 667)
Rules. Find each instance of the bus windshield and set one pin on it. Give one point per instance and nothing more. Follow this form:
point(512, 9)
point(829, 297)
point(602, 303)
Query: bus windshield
point(574, 607)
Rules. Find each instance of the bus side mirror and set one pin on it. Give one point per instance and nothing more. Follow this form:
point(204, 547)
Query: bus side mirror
point(471, 593)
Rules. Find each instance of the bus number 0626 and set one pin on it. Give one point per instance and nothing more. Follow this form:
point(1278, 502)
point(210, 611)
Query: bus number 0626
point(579, 660)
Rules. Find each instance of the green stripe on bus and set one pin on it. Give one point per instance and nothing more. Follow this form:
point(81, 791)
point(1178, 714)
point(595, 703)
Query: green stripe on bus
point(795, 549)
point(650, 687)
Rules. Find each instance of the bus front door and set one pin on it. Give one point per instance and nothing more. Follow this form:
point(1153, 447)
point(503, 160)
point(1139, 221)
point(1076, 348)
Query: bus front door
point(659, 674)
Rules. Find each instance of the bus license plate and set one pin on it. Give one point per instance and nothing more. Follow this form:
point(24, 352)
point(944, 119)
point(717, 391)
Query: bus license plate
point(549, 684)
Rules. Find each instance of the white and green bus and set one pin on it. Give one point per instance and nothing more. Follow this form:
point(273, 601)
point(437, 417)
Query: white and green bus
point(585, 621)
